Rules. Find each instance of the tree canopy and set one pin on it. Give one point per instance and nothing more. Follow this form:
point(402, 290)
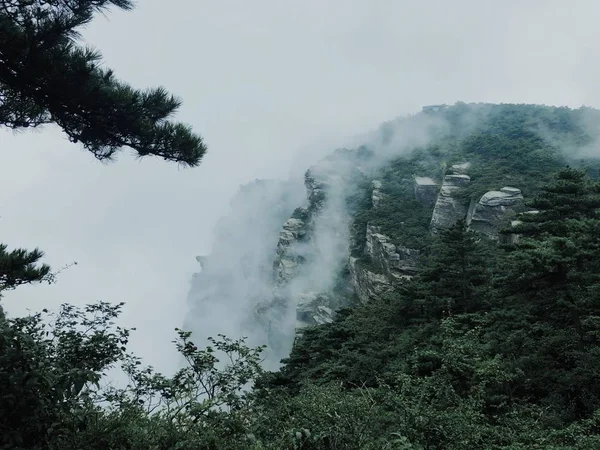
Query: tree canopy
point(46, 77)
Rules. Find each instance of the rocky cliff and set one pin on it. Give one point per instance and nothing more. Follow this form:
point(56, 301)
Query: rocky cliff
point(448, 208)
point(493, 210)
point(287, 263)
point(237, 275)
point(311, 251)
point(383, 264)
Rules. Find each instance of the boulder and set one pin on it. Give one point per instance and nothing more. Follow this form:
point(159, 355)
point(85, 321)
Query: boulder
point(493, 210)
point(313, 309)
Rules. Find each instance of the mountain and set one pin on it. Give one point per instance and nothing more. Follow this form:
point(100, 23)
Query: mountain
point(369, 214)
point(434, 288)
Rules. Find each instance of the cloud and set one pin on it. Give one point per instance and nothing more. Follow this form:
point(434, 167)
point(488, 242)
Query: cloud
point(272, 88)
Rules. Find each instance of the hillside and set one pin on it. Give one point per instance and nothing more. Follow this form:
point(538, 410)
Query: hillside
point(371, 212)
point(438, 288)
point(435, 288)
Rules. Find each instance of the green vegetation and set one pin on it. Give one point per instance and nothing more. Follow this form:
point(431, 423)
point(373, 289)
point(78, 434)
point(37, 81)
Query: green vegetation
point(45, 77)
point(494, 347)
point(506, 145)
point(488, 347)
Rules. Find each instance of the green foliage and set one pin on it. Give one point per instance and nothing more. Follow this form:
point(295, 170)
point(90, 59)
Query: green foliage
point(506, 145)
point(488, 346)
point(19, 267)
point(46, 78)
point(399, 216)
point(49, 372)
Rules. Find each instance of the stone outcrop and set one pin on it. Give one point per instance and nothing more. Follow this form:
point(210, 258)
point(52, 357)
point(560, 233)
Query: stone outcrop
point(425, 190)
point(313, 308)
point(376, 194)
point(368, 285)
point(238, 274)
point(448, 209)
point(460, 169)
point(395, 262)
point(388, 265)
point(493, 210)
point(287, 256)
point(312, 246)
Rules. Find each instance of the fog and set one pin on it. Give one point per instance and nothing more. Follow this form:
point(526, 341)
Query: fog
point(272, 88)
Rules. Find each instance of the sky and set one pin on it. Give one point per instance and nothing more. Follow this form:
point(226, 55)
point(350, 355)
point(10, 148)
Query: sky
point(271, 86)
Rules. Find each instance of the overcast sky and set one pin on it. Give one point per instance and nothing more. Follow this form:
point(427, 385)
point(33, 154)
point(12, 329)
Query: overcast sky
point(269, 85)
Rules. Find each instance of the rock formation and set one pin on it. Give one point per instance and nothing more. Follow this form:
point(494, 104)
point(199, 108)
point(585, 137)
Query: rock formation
point(312, 248)
point(376, 194)
point(368, 285)
point(396, 262)
point(238, 274)
point(448, 208)
point(302, 288)
point(493, 210)
point(288, 256)
point(313, 308)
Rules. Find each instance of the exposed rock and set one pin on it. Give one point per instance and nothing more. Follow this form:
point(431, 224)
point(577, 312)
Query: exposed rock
point(312, 248)
point(460, 169)
point(493, 209)
point(376, 195)
point(389, 265)
point(395, 262)
point(426, 190)
point(238, 275)
point(449, 209)
point(368, 285)
point(313, 309)
point(287, 256)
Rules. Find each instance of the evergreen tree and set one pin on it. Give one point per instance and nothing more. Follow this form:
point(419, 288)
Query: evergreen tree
point(551, 287)
point(555, 261)
point(45, 77)
point(19, 267)
point(453, 277)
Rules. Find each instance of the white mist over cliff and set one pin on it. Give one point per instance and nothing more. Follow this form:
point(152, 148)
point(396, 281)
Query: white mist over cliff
point(260, 82)
point(259, 269)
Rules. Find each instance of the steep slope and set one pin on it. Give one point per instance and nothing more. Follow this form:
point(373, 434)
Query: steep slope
point(370, 214)
point(237, 275)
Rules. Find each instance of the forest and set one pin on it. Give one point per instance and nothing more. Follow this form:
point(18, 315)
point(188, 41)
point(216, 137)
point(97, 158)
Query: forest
point(492, 345)
point(489, 346)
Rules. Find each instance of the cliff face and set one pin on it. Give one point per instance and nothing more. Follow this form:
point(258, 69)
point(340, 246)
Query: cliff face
point(448, 209)
point(311, 252)
point(269, 281)
point(384, 264)
point(237, 275)
point(285, 263)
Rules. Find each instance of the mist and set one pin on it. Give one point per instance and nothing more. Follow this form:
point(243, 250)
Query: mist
point(272, 88)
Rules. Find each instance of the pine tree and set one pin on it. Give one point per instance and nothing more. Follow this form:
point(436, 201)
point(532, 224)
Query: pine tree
point(19, 267)
point(454, 275)
point(551, 289)
point(555, 262)
point(45, 77)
